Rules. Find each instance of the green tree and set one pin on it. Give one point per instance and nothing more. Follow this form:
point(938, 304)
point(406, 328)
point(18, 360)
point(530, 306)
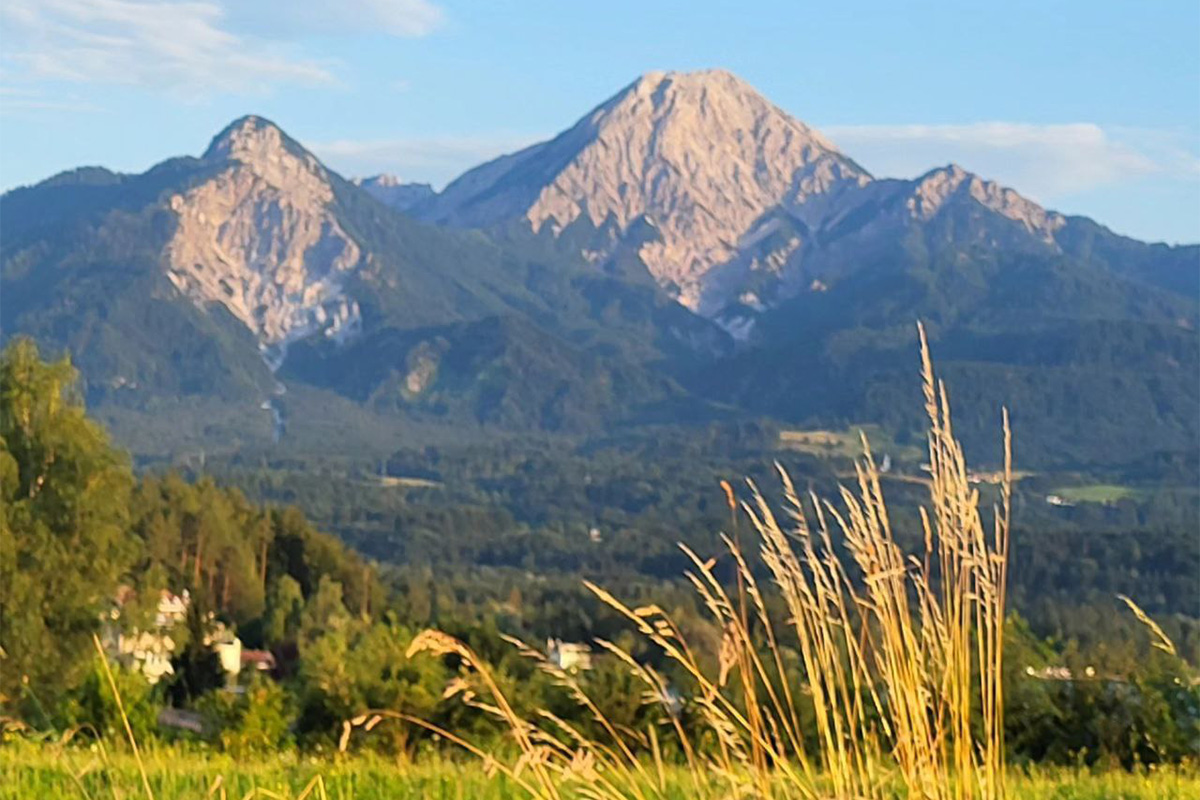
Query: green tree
point(258, 720)
point(325, 610)
point(284, 611)
point(355, 666)
point(93, 703)
point(64, 532)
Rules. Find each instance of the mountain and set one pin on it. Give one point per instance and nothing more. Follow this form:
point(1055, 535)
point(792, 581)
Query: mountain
point(698, 157)
point(393, 192)
point(685, 252)
point(260, 237)
point(1089, 338)
point(254, 271)
point(734, 206)
point(819, 269)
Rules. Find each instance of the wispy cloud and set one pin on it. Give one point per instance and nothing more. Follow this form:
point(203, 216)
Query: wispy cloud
point(12, 104)
point(190, 48)
point(1043, 161)
point(406, 18)
point(432, 159)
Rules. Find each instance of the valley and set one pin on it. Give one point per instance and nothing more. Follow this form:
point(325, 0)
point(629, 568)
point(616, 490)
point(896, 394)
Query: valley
point(565, 312)
point(372, 431)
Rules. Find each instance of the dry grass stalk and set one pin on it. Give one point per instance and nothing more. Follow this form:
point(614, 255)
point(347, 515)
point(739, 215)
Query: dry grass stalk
point(112, 684)
point(1161, 640)
point(900, 656)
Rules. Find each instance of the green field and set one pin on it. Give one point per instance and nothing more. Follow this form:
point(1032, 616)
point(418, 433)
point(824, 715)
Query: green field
point(47, 771)
point(1096, 493)
point(394, 481)
point(847, 444)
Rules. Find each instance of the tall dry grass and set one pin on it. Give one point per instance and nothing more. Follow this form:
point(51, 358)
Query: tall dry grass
point(900, 655)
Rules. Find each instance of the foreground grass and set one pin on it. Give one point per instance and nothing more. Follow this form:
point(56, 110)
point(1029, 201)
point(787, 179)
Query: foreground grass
point(28, 771)
point(47, 771)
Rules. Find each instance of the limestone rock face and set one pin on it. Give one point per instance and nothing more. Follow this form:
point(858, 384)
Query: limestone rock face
point(259, 238)
point(932, 190)
point(700, 156)
point(732, 204)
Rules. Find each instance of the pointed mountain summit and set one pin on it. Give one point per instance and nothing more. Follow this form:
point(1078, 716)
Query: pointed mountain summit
point(259, 237)
point(699, 156)
point(734, 206)
point(257, 144)
point(248, 135)
point(939, 186)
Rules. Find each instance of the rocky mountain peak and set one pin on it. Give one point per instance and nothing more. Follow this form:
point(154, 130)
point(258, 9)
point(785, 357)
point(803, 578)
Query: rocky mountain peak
point(936, 187)
point(701, 156)
point(715, 99)
point(245, 135)
point(260, 237)
point(385, 179)
point(259, 144)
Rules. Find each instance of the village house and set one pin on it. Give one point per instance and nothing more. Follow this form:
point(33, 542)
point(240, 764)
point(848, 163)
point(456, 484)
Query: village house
point(146, 651)
point(569, 656)
point(151, 651)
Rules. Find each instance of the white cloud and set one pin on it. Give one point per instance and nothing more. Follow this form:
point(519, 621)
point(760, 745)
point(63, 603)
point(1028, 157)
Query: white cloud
point(1175, 152)
point(1044, 162)
point(178, 46)
point(433, 159)
point(15, 100)
point(190, 48)
point(392, 17)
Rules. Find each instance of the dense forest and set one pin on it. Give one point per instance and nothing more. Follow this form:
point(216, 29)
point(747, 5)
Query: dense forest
point(488, 540)
point(614, 508)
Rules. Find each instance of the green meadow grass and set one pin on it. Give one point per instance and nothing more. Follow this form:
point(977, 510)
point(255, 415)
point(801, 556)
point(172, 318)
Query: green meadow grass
point(1096, 493)
point(45, 771)
point(79, 772)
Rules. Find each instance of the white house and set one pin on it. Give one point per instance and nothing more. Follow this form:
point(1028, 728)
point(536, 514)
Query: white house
point(147, 651)
point(569, 656)
point(151, 651)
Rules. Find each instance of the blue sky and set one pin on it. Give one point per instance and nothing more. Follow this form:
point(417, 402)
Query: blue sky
point(1087, 107)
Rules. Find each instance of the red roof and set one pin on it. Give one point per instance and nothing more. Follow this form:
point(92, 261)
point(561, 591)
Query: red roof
point(260, 659)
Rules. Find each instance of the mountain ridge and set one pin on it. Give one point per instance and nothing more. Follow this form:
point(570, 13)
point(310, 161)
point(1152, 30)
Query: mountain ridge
point(256, 249)
point(394, 192)
point(554, 289)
